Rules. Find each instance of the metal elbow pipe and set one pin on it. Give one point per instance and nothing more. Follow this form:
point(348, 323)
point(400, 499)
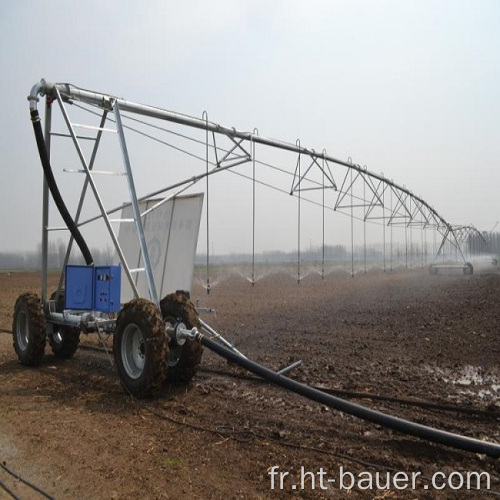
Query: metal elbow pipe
point(42, 87)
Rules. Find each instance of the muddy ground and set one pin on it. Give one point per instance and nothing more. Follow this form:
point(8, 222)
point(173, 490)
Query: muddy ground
point(69, 428)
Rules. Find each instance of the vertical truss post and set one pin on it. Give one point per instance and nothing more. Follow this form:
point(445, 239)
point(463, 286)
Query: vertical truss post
point(135, 207)
point(95, 191)
point(45, 202)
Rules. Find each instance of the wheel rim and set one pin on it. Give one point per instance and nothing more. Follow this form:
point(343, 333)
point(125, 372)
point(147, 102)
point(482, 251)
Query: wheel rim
point(57, 337)
point(133, 351)
point(174, 354)
point(22, 331)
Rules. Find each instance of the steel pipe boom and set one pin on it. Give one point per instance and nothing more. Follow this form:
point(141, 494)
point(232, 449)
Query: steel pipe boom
point(70, 93)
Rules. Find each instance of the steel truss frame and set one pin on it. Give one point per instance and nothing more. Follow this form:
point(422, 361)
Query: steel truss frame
point(363, 195)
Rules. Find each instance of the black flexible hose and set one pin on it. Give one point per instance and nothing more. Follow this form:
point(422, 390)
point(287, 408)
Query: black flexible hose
point(54, 190)
point(396, 423)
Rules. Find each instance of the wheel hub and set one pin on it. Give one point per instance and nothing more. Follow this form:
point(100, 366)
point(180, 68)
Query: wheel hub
point(133, 351)
point(22, 331)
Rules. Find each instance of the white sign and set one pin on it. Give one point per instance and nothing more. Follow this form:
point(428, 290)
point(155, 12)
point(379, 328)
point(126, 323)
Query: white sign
point(171, 232)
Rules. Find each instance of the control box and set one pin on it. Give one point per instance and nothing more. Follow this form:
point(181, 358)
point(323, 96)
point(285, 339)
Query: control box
point(94, 288)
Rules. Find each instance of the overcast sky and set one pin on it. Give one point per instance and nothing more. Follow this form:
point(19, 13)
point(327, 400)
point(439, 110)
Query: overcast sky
point(409, 88)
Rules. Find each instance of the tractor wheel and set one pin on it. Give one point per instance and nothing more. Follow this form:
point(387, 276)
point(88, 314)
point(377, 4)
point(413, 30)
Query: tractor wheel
point(141, 348)
point(64, 339)
point(28, 329)
point(183, 360)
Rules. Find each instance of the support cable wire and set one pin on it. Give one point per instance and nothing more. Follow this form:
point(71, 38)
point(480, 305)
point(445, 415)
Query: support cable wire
point(312, 202)
point(184, 119)
point(192, 139)
point(255, 132)
point(298, 216)
point(72, 93)
point(216, 164)
point(205, 115)
point(273, 167)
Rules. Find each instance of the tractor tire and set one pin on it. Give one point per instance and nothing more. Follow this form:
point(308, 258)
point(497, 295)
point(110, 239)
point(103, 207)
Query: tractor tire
point(183, 360)
point(28, 329)
point(64, 340)
point(140, 348)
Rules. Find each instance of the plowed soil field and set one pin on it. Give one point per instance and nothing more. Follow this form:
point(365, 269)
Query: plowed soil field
point(382, 340)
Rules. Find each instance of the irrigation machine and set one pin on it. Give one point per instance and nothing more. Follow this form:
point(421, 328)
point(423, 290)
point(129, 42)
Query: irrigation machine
point(143, 299)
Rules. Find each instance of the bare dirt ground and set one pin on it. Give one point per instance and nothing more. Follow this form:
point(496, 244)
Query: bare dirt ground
point(68, 426)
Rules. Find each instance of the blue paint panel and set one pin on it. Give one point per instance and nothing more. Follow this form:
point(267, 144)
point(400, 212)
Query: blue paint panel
point(93, 288)
point(79, 287)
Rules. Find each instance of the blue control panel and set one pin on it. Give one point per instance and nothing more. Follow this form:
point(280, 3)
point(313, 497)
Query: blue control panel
point(107, 284)
point(93, 288)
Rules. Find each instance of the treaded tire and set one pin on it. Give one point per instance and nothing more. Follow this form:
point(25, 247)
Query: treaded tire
point(28, 329)
point(64, 340)
point(141, 348)
point(183, 360)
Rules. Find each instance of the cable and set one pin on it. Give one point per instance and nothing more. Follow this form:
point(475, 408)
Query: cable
point(349, 394)
point(9, 491)
point(236, 434)
point(364, 395)
point(405, 426)
point(27, 483)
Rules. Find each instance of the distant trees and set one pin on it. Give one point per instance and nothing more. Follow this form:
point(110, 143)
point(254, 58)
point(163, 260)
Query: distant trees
point(56, 255)
point(486, 243)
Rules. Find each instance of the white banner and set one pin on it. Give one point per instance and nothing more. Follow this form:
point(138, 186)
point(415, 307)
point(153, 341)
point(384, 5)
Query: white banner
point(171, 232)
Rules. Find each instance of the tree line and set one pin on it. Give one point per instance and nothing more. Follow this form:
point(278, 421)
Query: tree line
point(32, 260)
point(487, 243)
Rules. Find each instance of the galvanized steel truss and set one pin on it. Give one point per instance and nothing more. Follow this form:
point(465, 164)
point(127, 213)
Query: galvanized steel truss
point(363, 195)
